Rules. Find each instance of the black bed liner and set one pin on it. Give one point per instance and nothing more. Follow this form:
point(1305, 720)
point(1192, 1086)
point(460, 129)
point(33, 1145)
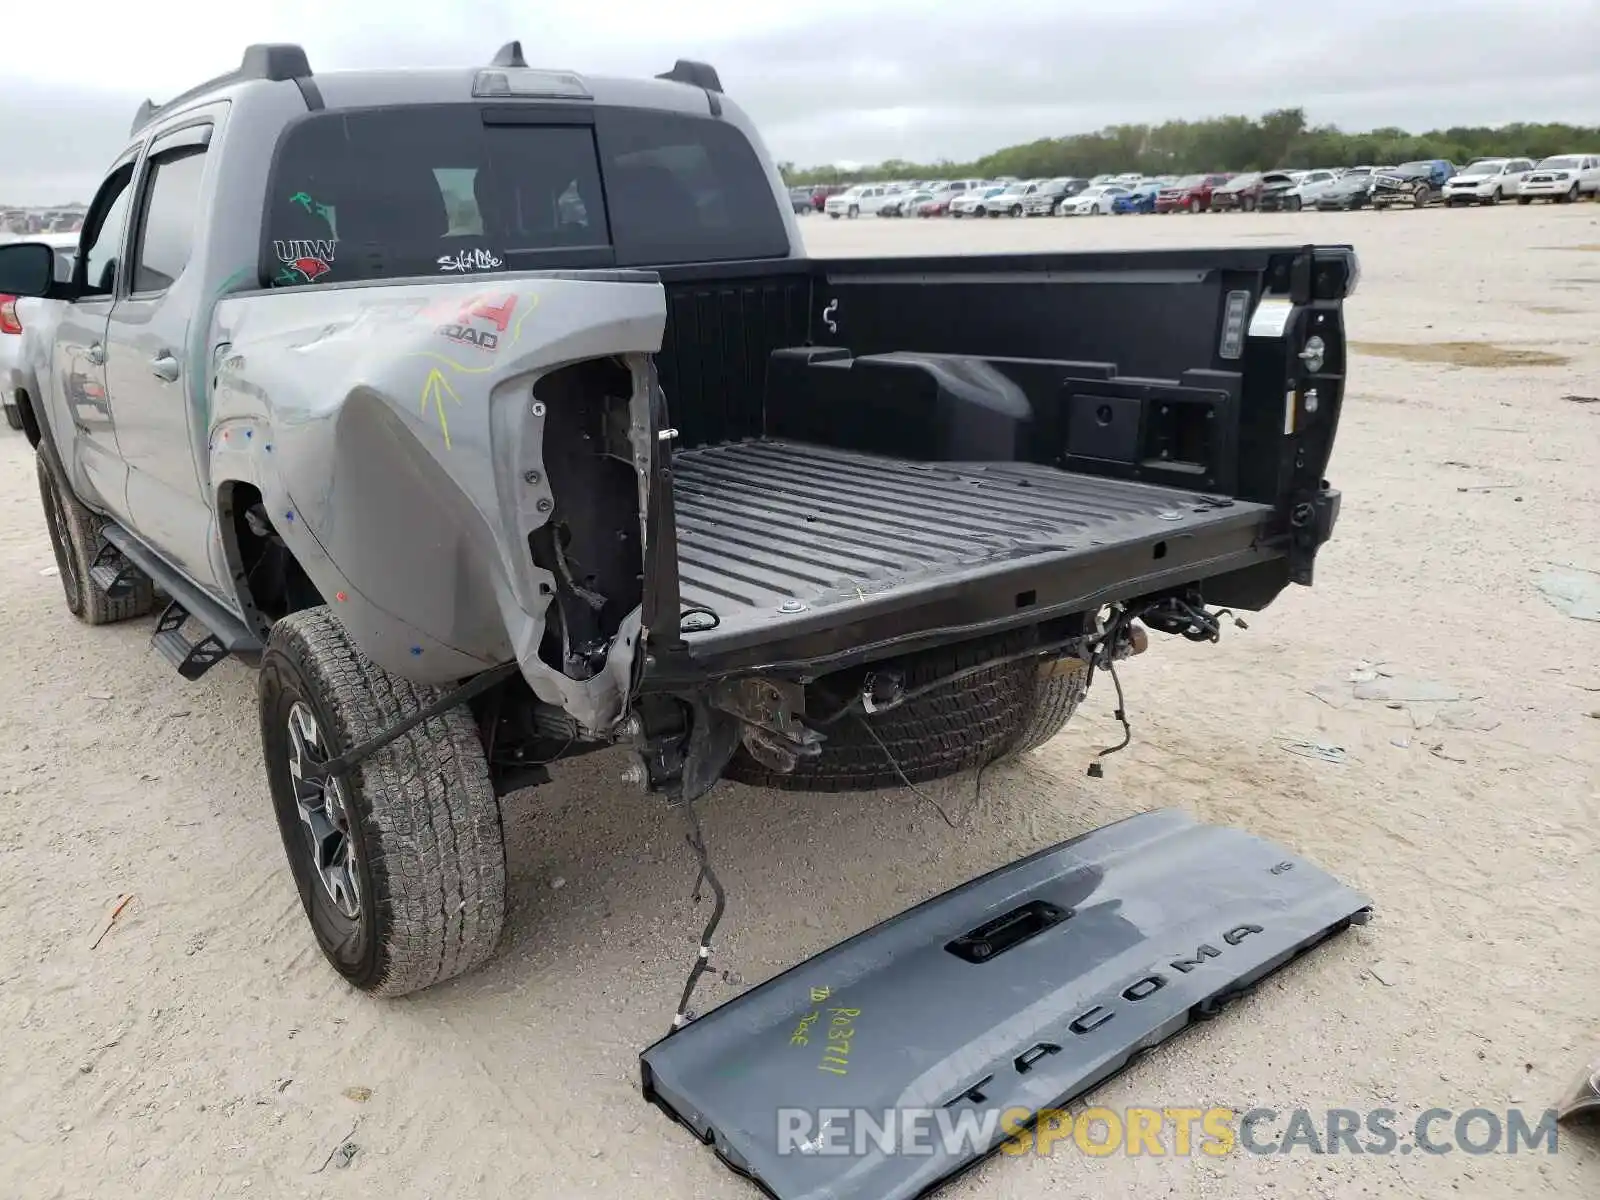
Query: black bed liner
point(1007, 996)
point(774, 536)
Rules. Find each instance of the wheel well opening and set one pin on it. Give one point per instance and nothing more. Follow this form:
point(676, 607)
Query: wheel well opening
point(30, 419)
point(269, 580)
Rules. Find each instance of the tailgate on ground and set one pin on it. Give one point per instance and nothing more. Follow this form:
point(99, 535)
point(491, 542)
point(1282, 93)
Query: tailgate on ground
point(890, 1062)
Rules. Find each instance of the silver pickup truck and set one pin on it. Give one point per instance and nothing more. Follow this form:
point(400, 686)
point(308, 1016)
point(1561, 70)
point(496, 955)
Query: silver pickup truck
point(498, 415)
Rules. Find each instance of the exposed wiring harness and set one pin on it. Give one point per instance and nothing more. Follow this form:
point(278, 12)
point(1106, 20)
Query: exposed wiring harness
point(697, 842)
point(1100, 648)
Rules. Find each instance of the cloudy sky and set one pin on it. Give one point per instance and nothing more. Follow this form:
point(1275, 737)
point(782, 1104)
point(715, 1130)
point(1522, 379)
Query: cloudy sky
point(838, 80)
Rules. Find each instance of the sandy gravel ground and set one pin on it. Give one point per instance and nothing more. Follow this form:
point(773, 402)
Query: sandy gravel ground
point(204, 1049)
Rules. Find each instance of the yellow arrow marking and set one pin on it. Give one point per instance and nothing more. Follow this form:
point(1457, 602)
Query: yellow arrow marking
point(434, 391)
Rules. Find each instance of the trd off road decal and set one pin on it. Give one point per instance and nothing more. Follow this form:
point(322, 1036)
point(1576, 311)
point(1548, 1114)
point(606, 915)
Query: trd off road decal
point(305, 260)
point(468, 336)
point(458, 317)
point(470, 260)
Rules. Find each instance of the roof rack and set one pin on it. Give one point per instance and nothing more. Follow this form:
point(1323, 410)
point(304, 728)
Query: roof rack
point(697, 74)
point(275, 61)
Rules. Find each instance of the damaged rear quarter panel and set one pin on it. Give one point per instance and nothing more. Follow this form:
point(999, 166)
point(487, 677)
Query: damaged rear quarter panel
point(390, 429)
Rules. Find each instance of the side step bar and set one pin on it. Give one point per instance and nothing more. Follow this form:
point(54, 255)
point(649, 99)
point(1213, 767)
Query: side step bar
point(112, 573)
point(192, 659)
point(226, 634)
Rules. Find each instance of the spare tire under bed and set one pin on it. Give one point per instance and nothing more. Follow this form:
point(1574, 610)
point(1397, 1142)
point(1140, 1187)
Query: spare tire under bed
point(1000, 711)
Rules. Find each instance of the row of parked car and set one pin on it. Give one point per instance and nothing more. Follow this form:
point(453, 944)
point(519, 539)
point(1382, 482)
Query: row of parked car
point(1562, 178)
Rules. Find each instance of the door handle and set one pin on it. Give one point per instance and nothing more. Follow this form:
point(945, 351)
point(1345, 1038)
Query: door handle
point(165, 367)
point(96, 355)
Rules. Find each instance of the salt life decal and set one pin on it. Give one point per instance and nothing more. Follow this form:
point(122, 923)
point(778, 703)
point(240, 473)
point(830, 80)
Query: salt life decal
point(470, 260)
point(305, 260)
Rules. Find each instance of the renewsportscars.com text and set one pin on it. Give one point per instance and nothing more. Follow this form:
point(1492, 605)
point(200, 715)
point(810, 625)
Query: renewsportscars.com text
point(1165, 1132)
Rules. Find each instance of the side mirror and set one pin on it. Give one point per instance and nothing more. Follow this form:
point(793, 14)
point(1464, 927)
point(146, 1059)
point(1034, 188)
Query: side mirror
point(28, 269)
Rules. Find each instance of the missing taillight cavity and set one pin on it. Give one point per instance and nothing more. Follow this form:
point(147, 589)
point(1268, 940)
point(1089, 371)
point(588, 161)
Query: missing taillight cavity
point(9, 321)
point(590, 538)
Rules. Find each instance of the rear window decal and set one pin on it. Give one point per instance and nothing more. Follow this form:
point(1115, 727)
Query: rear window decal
point(304, 260)
point(304, 200)
point(477, 259)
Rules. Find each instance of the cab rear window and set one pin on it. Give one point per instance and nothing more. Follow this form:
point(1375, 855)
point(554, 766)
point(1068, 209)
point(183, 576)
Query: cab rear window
point(465, 189)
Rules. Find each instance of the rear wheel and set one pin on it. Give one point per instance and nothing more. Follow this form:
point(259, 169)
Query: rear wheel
point(1016, 210)
point(77, 537)
point(400, 864)
point(855, 211)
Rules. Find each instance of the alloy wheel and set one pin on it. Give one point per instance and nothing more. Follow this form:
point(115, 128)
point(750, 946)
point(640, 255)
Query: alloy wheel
point(324, 815)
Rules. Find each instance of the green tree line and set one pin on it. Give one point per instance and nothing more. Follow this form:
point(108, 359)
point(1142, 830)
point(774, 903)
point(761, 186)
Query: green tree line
point(1280, 138)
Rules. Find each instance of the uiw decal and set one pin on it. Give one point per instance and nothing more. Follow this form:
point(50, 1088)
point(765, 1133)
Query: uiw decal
point(305, 260)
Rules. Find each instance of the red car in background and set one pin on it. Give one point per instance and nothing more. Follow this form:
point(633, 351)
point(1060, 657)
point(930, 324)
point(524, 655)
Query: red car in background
point(1192, 193)
point(1242, 193)
point(939, 206)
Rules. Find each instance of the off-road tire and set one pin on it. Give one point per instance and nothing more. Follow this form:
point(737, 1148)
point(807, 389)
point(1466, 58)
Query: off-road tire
point(423, 815)
point(966, 724)
point(1058, 689)
point(77, 537)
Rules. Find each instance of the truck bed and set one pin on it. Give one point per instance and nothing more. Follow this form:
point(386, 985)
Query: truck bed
point(774, 536)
